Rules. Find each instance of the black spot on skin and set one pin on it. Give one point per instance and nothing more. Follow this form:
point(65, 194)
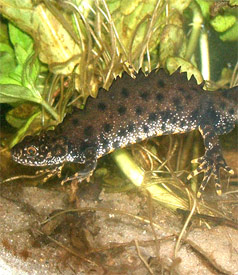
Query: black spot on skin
point(179, 108)
point(226, 95)
point(177, 104)
point(125, 93)
point(163, 128)
point(122, 133)
point(182, 123)
point(112, 96)
point(222, 105)
point(105, 143)
point(188, 97)
point(83, 146)
point(88, 131)
point(196, 88)
point(231, 111)
point(75, 121)
point(176, 101)
point(102, 106)
point(138, 110)
point(121, 110)
point(159, 97)
point(131, 127)
point(165, 115)
point(107, 127)
point(182, 90)
point(116, 144)
point(152, 117)
point(173, 120)
point(144, 95)
point(195, 114)
point(161, 83)
point(146, 129)
point(211, 114)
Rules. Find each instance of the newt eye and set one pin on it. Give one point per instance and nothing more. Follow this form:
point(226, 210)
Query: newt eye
point(31, 151)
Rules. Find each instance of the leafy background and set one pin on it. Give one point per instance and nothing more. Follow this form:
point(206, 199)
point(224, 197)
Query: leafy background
point(55, 54)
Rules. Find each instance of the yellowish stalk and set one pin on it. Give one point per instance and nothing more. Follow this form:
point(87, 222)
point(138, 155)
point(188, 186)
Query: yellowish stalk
point(136, 175)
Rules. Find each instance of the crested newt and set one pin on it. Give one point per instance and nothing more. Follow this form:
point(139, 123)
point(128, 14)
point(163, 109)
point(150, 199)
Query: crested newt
point(132, 110)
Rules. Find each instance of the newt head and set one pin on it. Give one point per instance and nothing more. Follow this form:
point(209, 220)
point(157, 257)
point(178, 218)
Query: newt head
point(44, 150)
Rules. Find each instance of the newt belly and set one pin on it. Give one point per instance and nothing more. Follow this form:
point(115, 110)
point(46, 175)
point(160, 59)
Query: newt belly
point(133, 110)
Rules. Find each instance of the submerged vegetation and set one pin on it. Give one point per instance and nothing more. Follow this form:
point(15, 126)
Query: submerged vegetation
point(54, 54)
point(60, 52)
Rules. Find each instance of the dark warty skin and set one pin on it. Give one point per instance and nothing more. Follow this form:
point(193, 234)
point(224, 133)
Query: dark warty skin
point(133, 110)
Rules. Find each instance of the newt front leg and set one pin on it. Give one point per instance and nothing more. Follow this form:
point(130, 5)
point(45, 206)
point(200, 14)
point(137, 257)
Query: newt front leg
point(211, 162)
point(90, 166)
point(85, 173)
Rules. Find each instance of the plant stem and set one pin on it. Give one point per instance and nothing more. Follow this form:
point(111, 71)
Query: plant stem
point(136, 175)
point(50, 110)
point(197, 24)
point(205, 57)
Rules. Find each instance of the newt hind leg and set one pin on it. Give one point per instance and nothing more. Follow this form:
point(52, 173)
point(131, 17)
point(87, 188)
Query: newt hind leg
point(212, 161)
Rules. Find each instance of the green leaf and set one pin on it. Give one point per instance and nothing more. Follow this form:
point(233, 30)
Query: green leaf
point(28, 64)
point(6, 48)
point(31, 71)
point(7, 62)
point(222, 23)
point(14, 93)
point(180, 5)
point(233, 2)
point(132, 19)
point(21, 54)
point(14, 121)
point(205, 7)
point(17, 74)
point(19, 115)
point(172, 39)
point(28, 68)
point(23, 43)
point(4, 32)
point(54, 43)
point(19, 37)
point(5, 79)
point(21, 132)
point(34, 70)
point(231, 34)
